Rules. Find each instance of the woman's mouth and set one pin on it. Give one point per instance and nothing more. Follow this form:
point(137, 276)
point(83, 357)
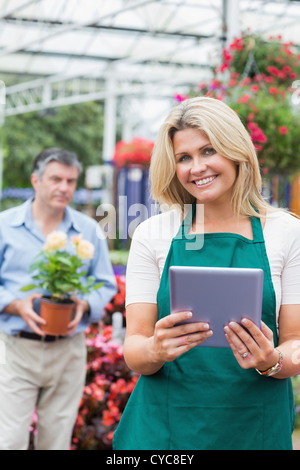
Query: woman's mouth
point(204, 181)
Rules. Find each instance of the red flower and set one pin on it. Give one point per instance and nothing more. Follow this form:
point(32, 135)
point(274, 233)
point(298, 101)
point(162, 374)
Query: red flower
point(273, 90)
point(237, 45)
point(136, 151)
point(269, 79)
point(107, 418)
point(257, 135)
point(254, 88)
point(223, 67)
point(232, 82)
point(283, 130)
point(244, 99)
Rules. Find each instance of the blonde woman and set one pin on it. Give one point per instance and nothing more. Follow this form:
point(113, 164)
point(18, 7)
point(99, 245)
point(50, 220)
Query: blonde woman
point(238, 397)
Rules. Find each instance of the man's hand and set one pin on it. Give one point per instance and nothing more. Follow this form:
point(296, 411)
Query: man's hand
point(81, 307)
point(24, 309)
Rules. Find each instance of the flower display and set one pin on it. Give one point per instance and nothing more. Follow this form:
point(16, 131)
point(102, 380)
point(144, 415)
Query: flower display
point(108, 386)
point(137, 151)
point(60, 268)
point(257, 79)
point(117, 303)
point(109, 382)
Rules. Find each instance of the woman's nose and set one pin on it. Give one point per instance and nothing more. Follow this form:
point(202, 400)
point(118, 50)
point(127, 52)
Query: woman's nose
point(198, 165)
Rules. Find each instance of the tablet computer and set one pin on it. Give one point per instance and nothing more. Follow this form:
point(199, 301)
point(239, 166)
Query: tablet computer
point(217, 296)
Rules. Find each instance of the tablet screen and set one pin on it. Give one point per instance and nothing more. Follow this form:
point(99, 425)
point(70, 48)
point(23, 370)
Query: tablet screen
point(217, 296)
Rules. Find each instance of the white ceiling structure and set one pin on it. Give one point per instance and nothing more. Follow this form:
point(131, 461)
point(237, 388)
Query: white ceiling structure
point(59, 52)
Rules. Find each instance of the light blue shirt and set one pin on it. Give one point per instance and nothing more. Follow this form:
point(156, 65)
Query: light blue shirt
point(20, 241)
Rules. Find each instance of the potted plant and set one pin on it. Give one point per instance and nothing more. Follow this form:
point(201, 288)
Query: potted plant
point(60, 270)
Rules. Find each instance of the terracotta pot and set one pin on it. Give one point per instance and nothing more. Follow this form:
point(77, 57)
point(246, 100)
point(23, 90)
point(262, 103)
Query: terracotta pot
point(57, 316)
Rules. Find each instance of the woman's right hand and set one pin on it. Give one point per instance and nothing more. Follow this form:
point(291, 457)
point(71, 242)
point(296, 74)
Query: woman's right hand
point(171, 340)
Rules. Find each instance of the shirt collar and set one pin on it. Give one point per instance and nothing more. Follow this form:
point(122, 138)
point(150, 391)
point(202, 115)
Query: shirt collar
point(69, 221)
point(23, 216)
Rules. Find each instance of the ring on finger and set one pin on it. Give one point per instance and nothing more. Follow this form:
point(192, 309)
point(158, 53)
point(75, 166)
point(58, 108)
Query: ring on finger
point(245, 354)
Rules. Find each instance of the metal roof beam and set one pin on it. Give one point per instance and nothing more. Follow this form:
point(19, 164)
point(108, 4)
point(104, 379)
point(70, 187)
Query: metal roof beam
point(118, 29)
point(86, 57)
point(12, 10)
point(47, 94)
point(72, 27)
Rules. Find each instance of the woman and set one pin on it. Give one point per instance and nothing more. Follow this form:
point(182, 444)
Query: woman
point(188, 397)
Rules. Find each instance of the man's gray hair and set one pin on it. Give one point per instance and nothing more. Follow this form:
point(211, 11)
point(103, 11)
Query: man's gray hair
point(54, 155)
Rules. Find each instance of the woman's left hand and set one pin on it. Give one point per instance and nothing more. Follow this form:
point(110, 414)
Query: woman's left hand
point(254, 350)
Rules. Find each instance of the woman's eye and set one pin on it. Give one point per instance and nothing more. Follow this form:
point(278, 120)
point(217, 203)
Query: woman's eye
point(209, 151)
point(184, 158)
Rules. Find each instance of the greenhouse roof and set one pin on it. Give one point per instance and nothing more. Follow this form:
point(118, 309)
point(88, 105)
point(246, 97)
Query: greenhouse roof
point(55, 53)
point(142, 41)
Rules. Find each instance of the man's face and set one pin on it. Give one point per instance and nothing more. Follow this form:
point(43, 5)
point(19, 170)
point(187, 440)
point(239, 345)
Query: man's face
point(56, 188)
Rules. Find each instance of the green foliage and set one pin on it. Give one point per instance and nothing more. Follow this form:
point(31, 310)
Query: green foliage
point(77, 128)
point(61, 272)
point(280, 124)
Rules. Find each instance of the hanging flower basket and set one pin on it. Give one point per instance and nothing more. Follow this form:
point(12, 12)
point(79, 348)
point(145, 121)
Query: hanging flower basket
point(253, 56)
point(137, 151)
point(257, 78)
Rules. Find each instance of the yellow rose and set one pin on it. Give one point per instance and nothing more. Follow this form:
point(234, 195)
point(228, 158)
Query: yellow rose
point(55, 241)
point(85, 249)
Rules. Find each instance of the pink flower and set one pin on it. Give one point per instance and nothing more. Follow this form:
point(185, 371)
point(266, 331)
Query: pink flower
point(180, 98)
point(283, 130)
point(232, 82)
point(273, 90)
point(254, 88)
point(244, 99)
point(269, 79)
point(223, 67)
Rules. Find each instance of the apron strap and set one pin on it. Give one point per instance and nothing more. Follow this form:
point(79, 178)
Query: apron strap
point(257, 230)
point(186, 224)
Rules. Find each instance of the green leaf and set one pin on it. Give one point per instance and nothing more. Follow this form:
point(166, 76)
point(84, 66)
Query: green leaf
point(64, 260)
point(28, 287)
point(97, 286)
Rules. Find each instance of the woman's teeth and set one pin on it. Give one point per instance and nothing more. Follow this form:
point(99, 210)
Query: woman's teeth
point(204, 181)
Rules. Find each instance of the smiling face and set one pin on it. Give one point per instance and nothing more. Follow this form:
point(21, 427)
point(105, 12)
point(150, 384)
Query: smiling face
point(205, 174)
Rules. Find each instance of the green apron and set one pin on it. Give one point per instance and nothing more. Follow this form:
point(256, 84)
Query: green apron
point(204, 399)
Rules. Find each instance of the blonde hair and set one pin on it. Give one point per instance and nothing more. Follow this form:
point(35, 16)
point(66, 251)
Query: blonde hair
point(225, 131)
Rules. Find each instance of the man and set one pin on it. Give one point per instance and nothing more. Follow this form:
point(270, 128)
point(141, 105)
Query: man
point(44, 372)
